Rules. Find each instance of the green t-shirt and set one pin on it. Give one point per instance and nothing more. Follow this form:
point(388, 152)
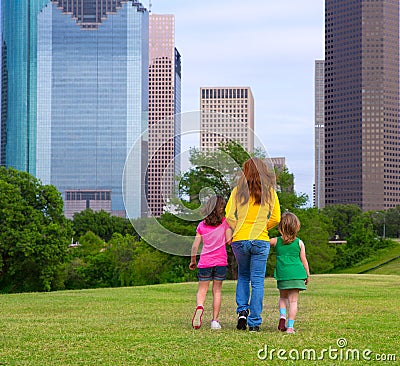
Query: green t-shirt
point(288, 263)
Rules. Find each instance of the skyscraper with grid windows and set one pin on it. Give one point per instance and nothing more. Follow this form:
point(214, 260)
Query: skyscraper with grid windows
point(319, 135)
point(164, 113)
point(362, 141)
point(226, 113)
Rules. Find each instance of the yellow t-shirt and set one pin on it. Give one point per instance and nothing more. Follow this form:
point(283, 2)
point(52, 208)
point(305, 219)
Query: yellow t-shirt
point(250, 221)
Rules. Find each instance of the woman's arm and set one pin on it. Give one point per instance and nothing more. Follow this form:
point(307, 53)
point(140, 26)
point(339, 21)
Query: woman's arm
point(275, 217)
point(303, 259)
point(195, 248)
point(272, 241)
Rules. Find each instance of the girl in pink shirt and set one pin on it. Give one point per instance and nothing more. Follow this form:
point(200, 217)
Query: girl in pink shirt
point(215, 233)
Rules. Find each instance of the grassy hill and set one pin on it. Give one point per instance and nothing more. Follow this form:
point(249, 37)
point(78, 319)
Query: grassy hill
point(379, 263)
point(151, 325)
point(392, 267)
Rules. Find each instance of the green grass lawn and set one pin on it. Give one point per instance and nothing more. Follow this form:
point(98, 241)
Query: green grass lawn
point(151, 325)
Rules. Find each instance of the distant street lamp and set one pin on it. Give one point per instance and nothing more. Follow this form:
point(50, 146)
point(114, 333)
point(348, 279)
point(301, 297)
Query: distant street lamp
point(384, 226)
point(384, 223)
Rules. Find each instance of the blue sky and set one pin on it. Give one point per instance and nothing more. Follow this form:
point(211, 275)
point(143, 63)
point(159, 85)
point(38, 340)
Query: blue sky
point(268, 45)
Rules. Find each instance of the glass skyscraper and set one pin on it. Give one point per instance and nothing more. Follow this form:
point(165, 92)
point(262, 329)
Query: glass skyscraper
point(75, 96)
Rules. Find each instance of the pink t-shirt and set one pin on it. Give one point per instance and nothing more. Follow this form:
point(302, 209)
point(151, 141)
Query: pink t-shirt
point(213, 252)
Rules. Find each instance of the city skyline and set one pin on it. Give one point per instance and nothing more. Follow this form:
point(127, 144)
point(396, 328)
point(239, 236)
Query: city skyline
point(294, 31)
point(271, 47)
point(277, 62)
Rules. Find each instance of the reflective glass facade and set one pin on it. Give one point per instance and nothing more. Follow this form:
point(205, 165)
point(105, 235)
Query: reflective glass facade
point(90, 96)
point(18, 120)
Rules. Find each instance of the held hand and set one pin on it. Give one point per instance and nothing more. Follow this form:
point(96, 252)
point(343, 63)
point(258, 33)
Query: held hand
point(307, 280)
point(192, 266)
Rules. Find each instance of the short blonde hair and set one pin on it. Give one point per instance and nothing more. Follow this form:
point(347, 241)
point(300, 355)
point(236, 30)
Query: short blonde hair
point(289, 226)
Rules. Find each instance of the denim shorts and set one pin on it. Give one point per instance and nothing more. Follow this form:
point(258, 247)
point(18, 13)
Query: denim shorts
point(212, 273)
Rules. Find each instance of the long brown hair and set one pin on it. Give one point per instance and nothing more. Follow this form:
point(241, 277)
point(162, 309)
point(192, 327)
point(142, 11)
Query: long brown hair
point(289, 226)
point(214, 210)
point(256, 181)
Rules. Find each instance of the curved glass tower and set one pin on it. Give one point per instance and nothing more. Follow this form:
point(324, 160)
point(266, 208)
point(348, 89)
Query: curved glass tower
point(75, 95)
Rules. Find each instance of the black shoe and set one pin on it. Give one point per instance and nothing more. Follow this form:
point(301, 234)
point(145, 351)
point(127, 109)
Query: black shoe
point(256, 328)
point(242, 319)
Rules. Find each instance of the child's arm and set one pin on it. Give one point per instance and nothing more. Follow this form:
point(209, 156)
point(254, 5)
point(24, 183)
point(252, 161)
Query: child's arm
point(272, 241)
point(195, 248)
point(230, 210)
point(303, 259)
point(228, 236)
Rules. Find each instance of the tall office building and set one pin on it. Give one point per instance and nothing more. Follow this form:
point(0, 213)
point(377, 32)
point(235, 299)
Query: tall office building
point(75, 92)
point(362, 154)
point(164, 112)
point(226, 113)
point(319, 135)
point(278, 162)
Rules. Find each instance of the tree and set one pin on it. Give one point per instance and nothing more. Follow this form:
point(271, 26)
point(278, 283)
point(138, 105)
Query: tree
point(393, 222)
point(148, 265)
point(360, 242)
point(100, 223)
point(387, 223)
point(342, 217)
point(215, 170)
point(200, 178)
point(315, 232)
point(288, 198)
point(98, 264)
point(89, 244)
point(121, 250)
point(34, 233)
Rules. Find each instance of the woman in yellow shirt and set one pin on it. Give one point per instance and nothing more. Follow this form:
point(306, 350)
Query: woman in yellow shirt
point(252, 209)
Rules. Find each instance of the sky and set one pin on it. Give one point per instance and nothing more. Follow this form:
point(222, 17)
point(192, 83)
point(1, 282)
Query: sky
point(270, 46)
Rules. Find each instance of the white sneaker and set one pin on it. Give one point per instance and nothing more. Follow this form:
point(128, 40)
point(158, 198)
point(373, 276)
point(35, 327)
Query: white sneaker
point(215, 324)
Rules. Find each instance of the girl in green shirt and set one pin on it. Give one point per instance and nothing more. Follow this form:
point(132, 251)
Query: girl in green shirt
point(291, 272)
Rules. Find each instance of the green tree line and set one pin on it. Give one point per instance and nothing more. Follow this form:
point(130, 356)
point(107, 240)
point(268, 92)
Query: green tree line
point(36, 240)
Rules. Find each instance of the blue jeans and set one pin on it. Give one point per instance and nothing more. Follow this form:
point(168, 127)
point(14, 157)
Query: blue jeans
point(251, 256)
